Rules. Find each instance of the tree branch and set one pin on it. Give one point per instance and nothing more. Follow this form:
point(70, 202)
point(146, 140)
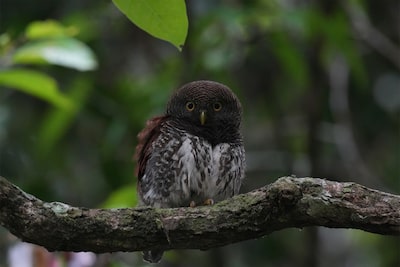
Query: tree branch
point(288, 202)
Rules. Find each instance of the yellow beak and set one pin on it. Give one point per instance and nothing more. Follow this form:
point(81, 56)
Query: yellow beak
point(202, 117)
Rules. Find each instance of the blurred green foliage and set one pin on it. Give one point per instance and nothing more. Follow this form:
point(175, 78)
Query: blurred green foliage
point(50, 42)
point(46, 42)
point(36, 84)
point(319, 93)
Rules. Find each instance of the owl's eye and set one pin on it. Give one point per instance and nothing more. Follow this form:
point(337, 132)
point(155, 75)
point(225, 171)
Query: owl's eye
point(217, 106)
point(190, 106)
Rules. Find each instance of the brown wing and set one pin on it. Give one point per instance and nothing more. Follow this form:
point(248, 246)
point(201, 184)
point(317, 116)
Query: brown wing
point(145, 139)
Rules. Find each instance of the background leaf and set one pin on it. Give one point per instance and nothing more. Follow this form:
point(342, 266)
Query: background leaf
point(166, 20)
point(57, 121)
point(48, 28)
point(66, 52)
point(123, 197)
point(36, 84)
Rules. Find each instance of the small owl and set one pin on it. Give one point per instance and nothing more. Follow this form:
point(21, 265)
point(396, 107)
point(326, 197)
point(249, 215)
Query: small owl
point(192, 155)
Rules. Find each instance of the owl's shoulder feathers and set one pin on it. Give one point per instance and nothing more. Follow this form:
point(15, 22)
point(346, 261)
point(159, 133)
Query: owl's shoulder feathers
point(145, 138)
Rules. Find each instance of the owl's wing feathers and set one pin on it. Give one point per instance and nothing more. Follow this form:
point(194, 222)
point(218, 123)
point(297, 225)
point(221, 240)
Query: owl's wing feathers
point(229, 166)
point(145, 139)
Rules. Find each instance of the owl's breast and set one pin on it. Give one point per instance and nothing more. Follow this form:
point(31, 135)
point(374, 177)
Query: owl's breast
point(208, 171)
point(195, 166)
point(184, 167)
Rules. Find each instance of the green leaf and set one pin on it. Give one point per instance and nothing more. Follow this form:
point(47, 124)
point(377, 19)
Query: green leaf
point(66, 52)
point(48, 29)
point(166, 20)
point(57, 121)
point(124, 197)
point(36, 84)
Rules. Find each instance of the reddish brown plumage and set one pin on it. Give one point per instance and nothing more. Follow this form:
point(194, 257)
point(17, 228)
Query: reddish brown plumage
point(145, 139)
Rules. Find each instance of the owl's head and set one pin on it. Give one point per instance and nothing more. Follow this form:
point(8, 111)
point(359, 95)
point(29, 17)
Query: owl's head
point(206, 106)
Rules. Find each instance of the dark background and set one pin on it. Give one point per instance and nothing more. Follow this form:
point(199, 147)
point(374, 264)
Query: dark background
point(319, 83)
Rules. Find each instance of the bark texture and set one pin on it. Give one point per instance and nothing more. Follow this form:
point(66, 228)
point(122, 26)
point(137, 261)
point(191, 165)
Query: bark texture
point(288, 202)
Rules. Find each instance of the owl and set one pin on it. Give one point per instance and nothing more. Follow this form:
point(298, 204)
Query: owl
point(193, 154)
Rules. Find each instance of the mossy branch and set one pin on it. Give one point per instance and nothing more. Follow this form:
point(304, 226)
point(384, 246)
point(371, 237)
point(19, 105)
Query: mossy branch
point(288, 202)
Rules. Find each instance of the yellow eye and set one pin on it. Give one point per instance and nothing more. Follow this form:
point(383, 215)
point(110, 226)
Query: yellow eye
point(217, 106)
point(190, 106)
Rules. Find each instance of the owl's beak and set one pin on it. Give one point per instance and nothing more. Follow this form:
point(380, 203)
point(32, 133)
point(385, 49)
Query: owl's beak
point(202, 117)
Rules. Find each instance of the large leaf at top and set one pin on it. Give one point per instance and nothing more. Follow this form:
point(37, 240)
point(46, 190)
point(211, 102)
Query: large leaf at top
point(36, 84)
point(66, 52)
point(164, 19)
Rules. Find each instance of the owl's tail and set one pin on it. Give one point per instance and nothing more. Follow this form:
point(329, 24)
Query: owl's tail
point(153, 256)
